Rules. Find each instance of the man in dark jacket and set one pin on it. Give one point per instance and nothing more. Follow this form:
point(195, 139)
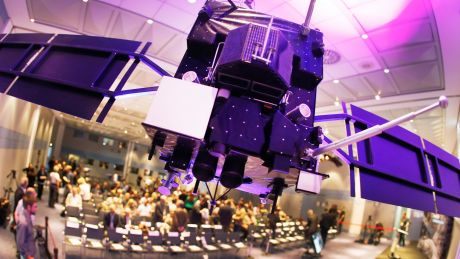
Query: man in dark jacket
point(225, 215)
point(312, 224)
point(111, 219)
point(161, 209)
point(327, 221)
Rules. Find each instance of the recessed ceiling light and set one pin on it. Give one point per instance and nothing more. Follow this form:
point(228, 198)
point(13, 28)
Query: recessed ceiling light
point(126, 132)
point(146, 136)
point(150, 21)
point(125, 108)
point(192, 1)
point(85, 1)
point(415, 130)
point(411, 120)
point(377, 97)
point(32, 20)
point(386, 71)
point(336, 81)
point(364, 36)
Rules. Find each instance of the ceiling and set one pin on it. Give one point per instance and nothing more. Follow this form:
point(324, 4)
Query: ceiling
point(410, 38)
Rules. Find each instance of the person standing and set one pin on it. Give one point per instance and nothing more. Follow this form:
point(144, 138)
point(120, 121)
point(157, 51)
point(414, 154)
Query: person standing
point(312, 224)
point(327, 221)
point(31, 174)
point(226, 215)
point(19, 193)
point(25, 240)
point(55, 179)
point(41, 178)
point(404, 227)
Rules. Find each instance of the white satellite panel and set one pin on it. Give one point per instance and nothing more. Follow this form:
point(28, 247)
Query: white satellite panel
point(309, 182)
point(182, 107)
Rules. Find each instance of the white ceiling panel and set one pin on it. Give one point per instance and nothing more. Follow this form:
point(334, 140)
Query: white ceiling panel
point(414, 54)
point(339, 70)
point(266, 6)
point(337, 90)
point(365, 65)
point(379, 13)
point(175, 17)
point(359, 87)
point(143, 7)
point(403, 34)
point(418, 77)
point(186, 6)
point(323, 99)
point(112, 2)
point(355, 3)
point(288, 12)
point(175, 49)
point(127, 25)
point(65, 13)
point(381, 83)
point(159, 35)
point(353, 49)
point(97, 18)
point(324, 10)
point(338, 29)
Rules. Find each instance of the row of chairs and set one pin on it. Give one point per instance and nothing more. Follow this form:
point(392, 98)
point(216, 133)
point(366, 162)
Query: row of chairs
point(286, 235)
point(84, 240)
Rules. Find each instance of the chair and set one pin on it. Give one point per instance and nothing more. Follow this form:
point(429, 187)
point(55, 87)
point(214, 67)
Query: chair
point(89, 211)
point(72, 238)
point(191, 241)
point(73, 212)
point(136, 239)
point(235, 240)
point(90, 219)
point(117, 237)
point(94, 237)
point(221, 238)
point(156, 241)
point(174, 242)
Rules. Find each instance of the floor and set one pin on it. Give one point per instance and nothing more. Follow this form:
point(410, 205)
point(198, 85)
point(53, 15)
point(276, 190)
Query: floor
point(408, 252)
point(342, 247)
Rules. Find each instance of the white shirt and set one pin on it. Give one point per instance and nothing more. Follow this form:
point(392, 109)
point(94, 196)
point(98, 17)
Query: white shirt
point(54, 178)
point(85, 191)
point(74, 201)
point(144, 210)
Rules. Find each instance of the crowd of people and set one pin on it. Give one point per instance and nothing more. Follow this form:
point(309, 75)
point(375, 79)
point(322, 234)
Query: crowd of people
point(122, 205)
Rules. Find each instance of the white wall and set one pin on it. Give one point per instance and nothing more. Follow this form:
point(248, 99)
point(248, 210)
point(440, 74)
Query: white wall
point(15, 132)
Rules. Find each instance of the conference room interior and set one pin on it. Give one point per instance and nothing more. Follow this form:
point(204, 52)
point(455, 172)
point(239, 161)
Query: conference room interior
point(391, 78)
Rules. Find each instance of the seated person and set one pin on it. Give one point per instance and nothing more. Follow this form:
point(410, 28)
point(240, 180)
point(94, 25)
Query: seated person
point(111, 219)
point(126, 220)
point(376, 234)
point(73, 199)
point(85, 189)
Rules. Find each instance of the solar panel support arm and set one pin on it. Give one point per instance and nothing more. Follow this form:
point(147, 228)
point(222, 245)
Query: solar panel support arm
point(375, 130)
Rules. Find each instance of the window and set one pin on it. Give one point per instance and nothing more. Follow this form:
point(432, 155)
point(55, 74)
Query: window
point(108, 142)
point(90, 161)
point(93, 138)
point(78, 133)
point(118, 167)
point(134, 170)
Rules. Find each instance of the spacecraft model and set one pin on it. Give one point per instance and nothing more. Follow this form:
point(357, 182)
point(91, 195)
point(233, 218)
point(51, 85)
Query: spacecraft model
point(240, 110)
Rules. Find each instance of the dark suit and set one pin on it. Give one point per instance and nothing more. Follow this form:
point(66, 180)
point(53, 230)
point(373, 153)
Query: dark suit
point(225, 217)
point(327, 221)
point(124, 221)
point(160, 210)
point(108, 219)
